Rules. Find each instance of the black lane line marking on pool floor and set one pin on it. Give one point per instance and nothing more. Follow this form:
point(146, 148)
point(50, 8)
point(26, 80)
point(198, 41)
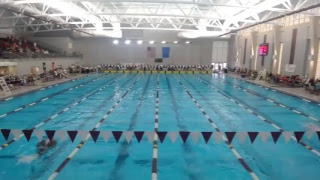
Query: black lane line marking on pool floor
point(212, 105)
point(284, 92)
point(260, 117)
point(154, 167)
point(186, 147)
point(50, 96)
point(59, 113)
point(55, 94)
point(65, 162)
point(269, 99)
point(47, 161)
point(124, 153)
point(233, 150)
point(38, 89)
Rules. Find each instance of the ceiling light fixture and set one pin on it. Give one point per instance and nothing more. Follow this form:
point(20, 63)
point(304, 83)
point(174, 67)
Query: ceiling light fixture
point(163, 42)
point(139, 41)
point(176, 42)
point(127, 42)
point(187, 42)
point(151, 42)
point(115, 42)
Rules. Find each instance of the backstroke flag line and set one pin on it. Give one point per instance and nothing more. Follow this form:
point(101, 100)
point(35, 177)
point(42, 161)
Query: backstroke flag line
point(151, 52)
point(165, 52)
point(129, 136)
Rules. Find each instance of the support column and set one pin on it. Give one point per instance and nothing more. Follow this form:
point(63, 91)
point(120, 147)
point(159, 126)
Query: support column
point(232, 51)
point(314, 61)
point(238, 52)
point(276, 53)
point(254, 52)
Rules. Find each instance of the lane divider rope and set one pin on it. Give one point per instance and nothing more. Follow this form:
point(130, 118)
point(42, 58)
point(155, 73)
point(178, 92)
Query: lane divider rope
point(65, 162)
point(50, 96)
point(233, 150)
point(59, 113)
point(287, 93)
point(272, 101)
point(45, 87)
point(262, 118)
point(155, 137)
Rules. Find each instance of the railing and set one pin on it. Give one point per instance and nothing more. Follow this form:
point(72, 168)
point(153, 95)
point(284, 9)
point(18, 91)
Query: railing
point(18, 55)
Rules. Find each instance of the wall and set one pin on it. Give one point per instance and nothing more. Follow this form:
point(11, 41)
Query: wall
point(232, 51)
point(59, 44)
point(24, 65)
point(220, 51)
point(285, 34)
point(99, 50)
point(103, 51)
point(300, 49)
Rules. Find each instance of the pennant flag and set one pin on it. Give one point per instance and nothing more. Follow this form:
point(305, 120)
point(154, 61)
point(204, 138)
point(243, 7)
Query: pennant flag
point(173, 136)
point(50, 134)
point(287, 136)
point(309, 134)
point(27, 134)
point(72, 135)
point(83, 135)
point(184, 135)
point(318, 133)
point(161, 135)
point(252, 136)
point(206, 136)
point(39, 134)
point(139, 135)
point(128, 135)
point(5, 133)
point(217, 136)
point(61, 134)
point(94, 135)
point(299, 135)
point(230, 136)
point(117, 135)
point(16, 133)
point(195, 136)
point(264, 136)
point(150, 136)
point(275, 136)
point(105, 135)
point(241, 136)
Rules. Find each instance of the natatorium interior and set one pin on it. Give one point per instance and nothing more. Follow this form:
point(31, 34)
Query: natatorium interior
point(232, 105)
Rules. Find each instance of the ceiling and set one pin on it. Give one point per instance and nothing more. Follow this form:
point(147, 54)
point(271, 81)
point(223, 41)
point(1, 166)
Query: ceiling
point(191, 18)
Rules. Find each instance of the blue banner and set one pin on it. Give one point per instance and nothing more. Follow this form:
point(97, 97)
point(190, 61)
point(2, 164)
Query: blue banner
point(165, 52)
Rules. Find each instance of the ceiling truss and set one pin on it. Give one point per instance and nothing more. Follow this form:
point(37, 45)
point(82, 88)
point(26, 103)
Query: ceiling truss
point(180, 15)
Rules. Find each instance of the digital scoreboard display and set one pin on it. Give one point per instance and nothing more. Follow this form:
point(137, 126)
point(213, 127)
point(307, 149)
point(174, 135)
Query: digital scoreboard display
point(263, 49)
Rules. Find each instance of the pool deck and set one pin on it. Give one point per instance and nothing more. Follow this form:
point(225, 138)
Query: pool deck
point(296, 91)
point(27, 89)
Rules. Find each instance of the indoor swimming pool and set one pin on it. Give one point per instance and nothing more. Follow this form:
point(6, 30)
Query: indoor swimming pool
point(197, 103)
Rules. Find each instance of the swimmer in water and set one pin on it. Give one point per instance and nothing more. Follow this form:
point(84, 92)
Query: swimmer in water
point(44, 145)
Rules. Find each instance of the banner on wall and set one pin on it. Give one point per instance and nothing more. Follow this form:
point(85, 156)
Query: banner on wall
point(151, 52)
point(290, 68)
point(165, 52)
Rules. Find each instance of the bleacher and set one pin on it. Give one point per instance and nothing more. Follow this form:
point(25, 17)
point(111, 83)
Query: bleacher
point(17, 48)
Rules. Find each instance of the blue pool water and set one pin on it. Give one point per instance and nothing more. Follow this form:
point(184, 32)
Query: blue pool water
point(86, 101)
